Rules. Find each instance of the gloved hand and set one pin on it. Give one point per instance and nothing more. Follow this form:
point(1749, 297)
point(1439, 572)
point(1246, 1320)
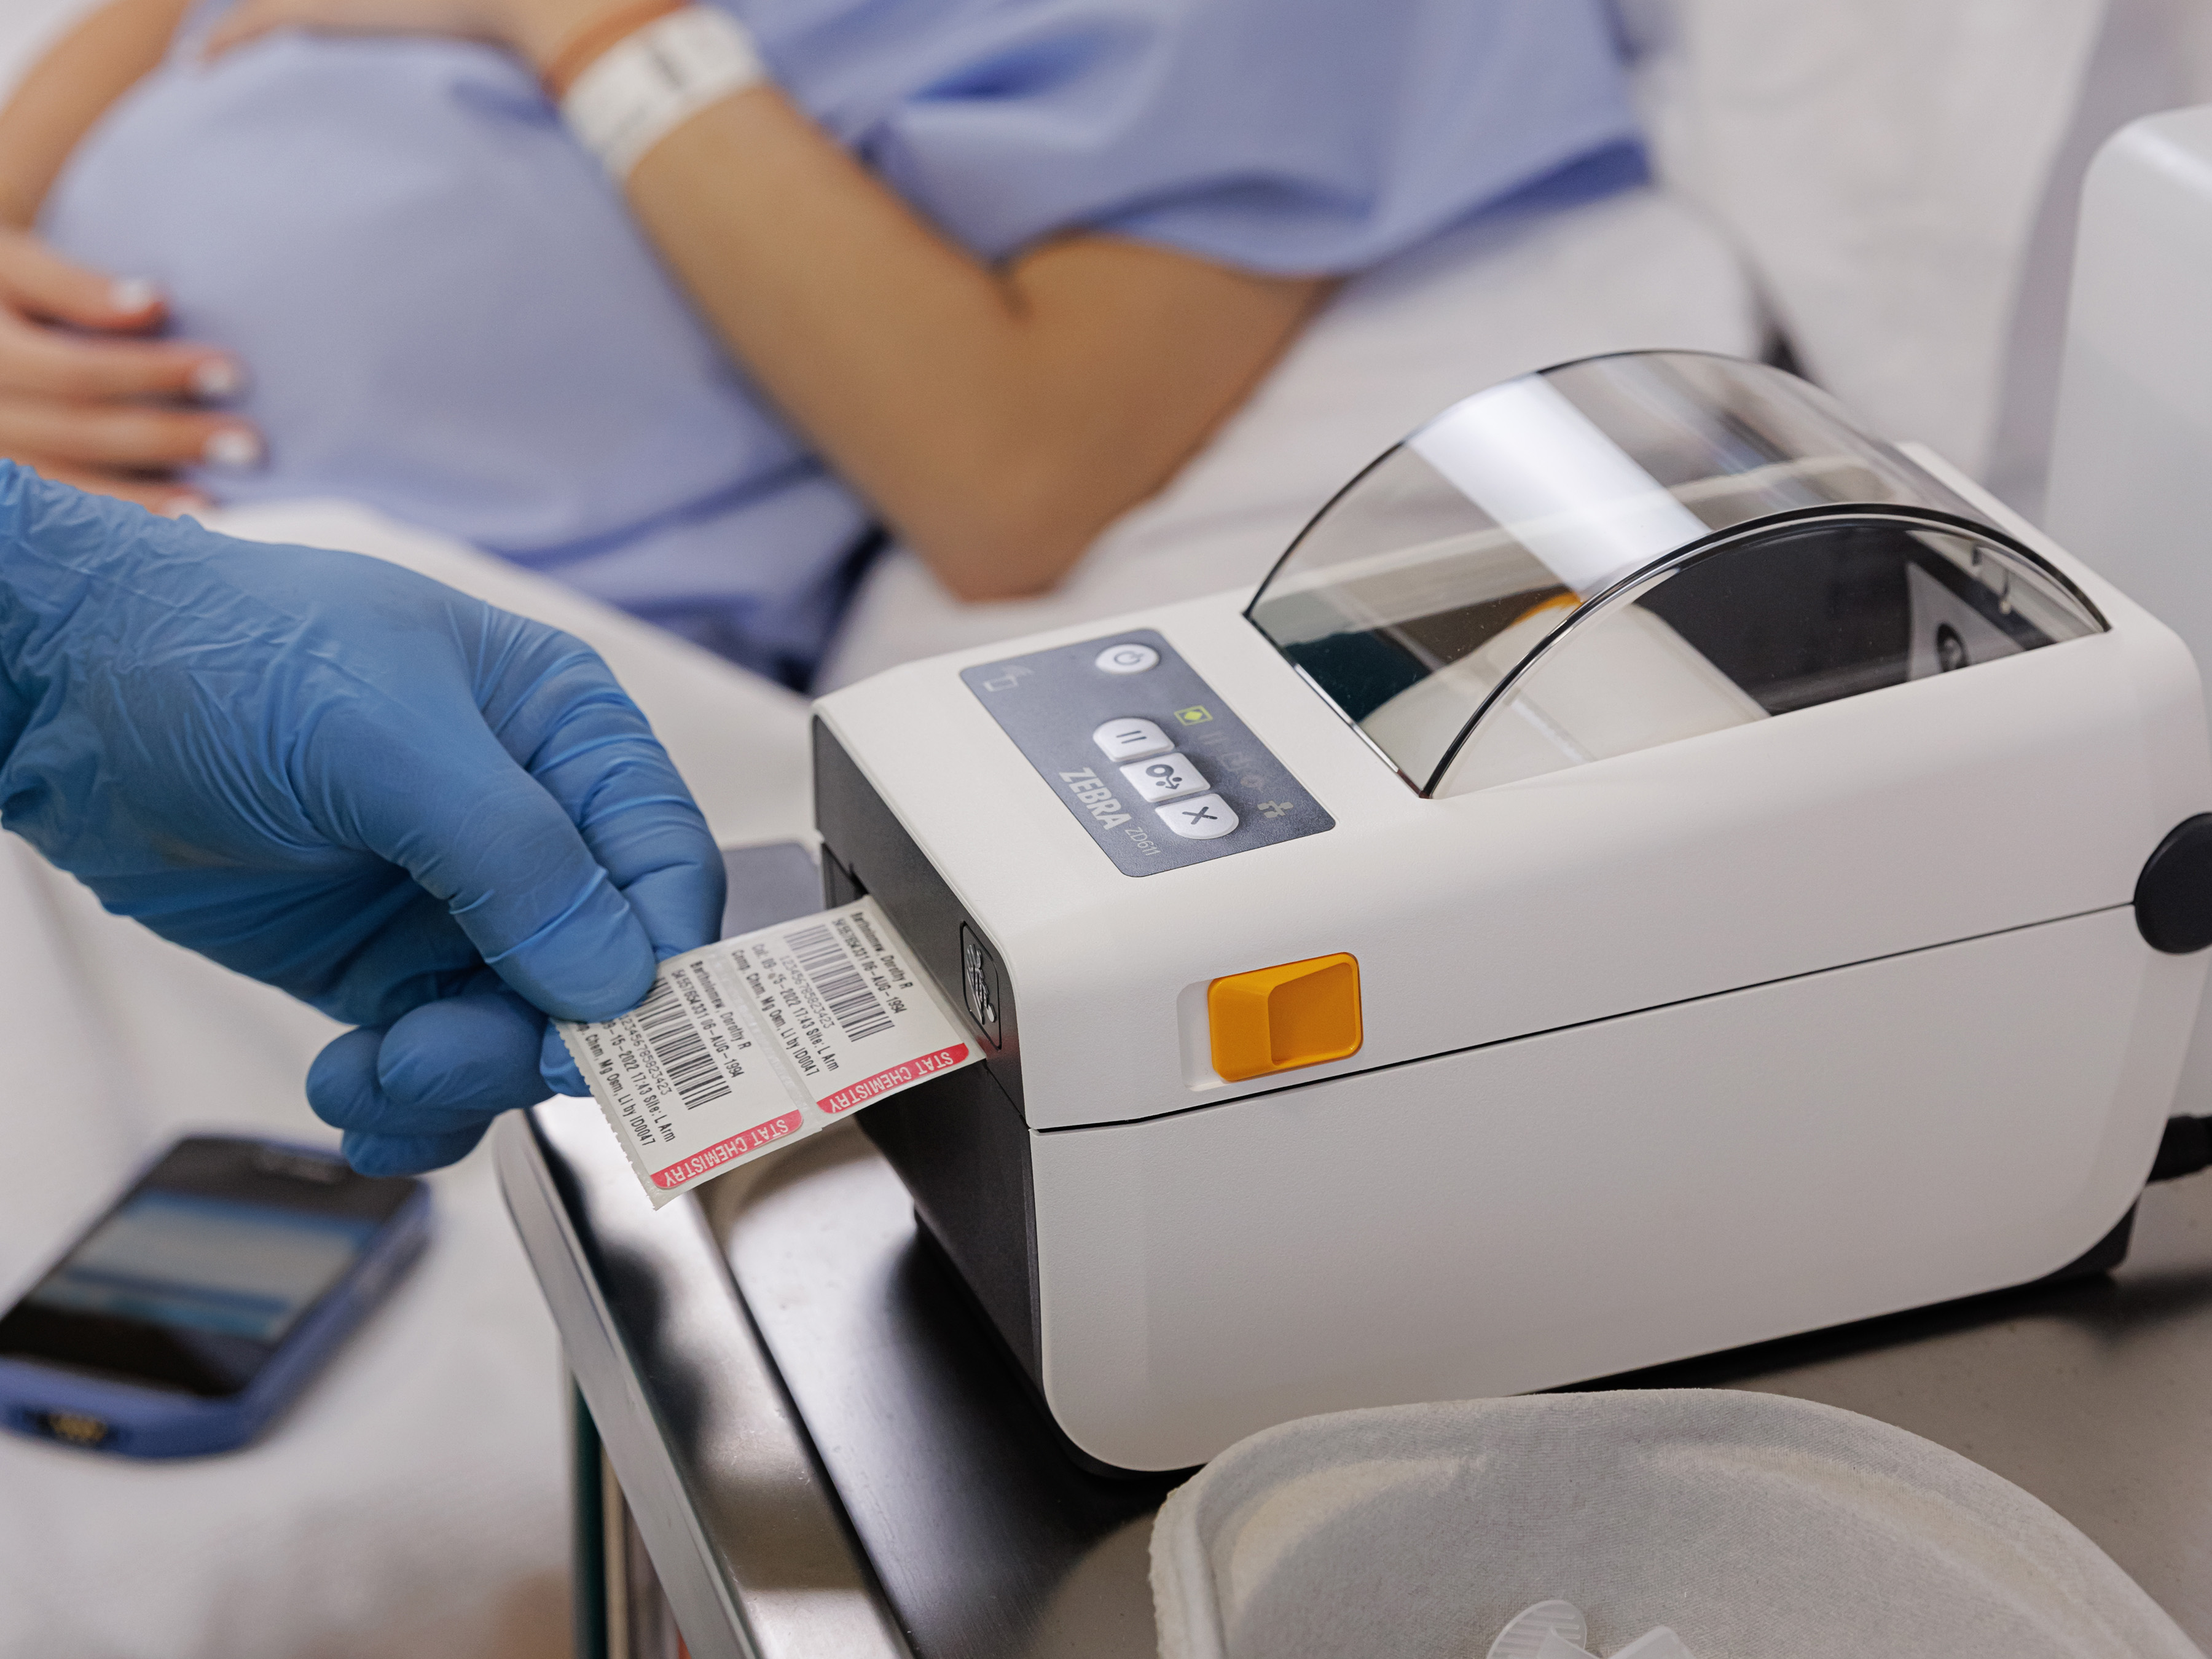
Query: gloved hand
point(423, 816)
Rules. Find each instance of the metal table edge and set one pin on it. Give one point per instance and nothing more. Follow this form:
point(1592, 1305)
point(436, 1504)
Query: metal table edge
point(696, 1564)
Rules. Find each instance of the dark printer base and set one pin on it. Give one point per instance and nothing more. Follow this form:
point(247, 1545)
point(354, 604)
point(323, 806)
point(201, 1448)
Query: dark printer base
point(959, 1140)
point(963, 1153)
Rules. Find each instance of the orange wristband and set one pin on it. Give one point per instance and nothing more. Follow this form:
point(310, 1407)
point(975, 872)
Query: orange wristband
point(594, 39)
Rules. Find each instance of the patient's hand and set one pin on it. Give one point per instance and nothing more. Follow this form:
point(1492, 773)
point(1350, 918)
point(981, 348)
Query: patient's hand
point(87, 404)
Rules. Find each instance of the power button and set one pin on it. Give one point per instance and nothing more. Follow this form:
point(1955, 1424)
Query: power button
point(1127, 658)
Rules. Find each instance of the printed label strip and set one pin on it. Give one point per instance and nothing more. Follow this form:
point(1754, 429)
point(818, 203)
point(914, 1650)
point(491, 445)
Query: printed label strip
point(754, 1041)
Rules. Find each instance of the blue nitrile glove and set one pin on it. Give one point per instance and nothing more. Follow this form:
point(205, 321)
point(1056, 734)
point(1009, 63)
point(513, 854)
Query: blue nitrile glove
point(425, 817)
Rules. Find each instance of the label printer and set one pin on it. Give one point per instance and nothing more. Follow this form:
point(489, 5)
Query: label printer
point(1655, 868)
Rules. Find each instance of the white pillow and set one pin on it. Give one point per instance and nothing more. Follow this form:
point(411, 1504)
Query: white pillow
point(1882, 163)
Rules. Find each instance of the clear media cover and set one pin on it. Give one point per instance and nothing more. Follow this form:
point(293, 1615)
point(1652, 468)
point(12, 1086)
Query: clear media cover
point(1626, 550)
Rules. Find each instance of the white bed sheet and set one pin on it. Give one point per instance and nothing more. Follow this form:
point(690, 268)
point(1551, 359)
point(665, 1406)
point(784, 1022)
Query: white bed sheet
point(416, 1505)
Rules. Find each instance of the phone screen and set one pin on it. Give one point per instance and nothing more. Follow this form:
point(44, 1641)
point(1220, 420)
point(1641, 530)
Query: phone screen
point(195, 1277)
point(205, 1264)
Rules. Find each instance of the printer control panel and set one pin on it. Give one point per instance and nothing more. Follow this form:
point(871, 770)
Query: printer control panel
point(1143, 754)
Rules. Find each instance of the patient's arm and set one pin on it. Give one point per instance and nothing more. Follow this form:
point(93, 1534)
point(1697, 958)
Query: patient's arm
point(87, 69)
point(82, 402)
point(997, 418)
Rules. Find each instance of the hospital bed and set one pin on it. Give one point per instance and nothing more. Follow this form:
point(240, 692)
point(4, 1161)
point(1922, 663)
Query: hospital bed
point(1826, 184)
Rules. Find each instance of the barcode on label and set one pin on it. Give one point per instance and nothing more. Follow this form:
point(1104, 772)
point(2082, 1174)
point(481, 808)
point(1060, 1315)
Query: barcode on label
point(823, 959)
point(676, 1044)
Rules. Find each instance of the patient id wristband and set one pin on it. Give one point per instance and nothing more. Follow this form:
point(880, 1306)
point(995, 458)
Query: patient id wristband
point(655, 78)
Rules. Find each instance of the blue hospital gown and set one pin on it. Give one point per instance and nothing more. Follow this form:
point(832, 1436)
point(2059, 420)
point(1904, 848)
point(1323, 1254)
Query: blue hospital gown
point(447, 314)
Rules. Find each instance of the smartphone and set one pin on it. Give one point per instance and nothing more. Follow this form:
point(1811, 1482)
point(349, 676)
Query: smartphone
point(205, 1298)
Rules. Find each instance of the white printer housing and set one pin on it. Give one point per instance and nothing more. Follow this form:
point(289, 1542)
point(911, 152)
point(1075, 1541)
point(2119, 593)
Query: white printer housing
point(1698, 1006)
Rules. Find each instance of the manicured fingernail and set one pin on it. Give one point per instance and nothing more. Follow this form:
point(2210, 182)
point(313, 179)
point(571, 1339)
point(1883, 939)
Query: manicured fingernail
point(133, 294)
point(218, 377)
point(233, 446)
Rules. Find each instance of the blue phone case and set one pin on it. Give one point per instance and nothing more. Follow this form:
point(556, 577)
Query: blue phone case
point(143, 1421)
